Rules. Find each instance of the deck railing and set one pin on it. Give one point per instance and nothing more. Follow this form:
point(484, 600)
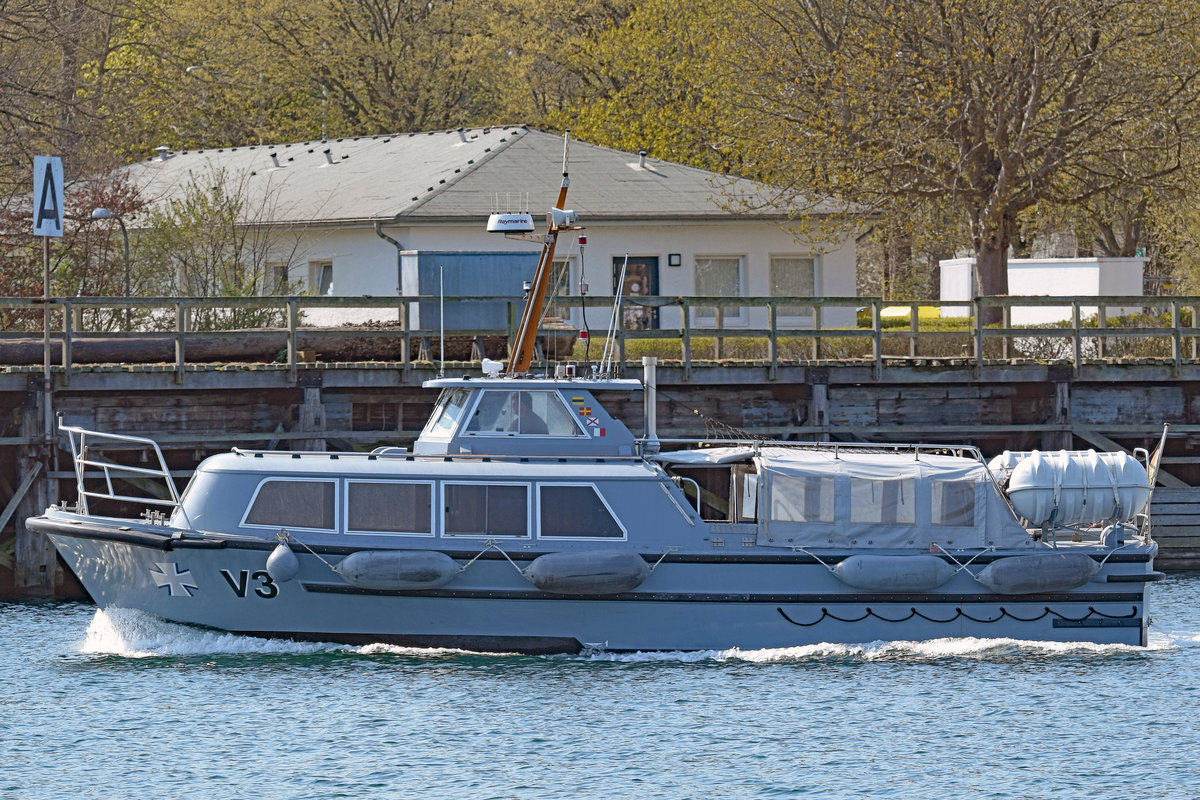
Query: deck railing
point(772, 331)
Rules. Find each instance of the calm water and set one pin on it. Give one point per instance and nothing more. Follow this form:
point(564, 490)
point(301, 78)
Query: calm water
point(96, 705)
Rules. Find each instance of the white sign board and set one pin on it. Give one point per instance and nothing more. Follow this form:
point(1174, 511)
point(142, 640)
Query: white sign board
point(47, 196)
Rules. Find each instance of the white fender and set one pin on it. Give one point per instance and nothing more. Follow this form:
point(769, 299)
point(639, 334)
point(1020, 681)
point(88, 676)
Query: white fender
point(894, 573)
point(397, 569)
point(589, 572)
point(1042, 572)
point(282, 564)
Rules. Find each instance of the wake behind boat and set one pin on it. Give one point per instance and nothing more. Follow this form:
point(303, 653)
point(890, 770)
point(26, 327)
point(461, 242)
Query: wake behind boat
point(527, 518)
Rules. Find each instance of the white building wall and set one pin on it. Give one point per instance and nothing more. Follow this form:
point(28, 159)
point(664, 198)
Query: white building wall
point(365, 264)
point(1050, 277)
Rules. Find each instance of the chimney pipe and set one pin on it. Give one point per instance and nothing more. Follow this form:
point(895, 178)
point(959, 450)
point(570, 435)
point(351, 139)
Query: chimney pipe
point(641, 159)
point(462, 136)
point(650, 368)
point(328, 155)
point(275, 159)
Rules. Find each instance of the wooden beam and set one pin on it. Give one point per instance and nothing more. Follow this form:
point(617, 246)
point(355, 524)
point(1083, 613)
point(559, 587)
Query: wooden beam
point(11, 508)
point(1094, 437)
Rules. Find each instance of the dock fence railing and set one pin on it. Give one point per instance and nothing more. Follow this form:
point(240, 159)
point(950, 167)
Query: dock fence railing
point(773, 331)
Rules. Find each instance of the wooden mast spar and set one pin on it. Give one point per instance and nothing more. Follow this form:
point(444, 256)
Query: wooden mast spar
point(531, 316)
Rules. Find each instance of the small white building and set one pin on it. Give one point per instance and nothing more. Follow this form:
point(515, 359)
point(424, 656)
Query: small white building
point(1048, 277)
point(367, 216)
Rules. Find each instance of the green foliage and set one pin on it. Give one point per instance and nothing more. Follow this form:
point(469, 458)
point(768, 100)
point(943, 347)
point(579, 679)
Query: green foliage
point(198, 245)
point(978, 123)
point(651, 84)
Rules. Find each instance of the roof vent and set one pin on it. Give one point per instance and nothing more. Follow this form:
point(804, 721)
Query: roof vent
point(641, 159)
point(162, 151)
point(328, 155)
point(462, 136)
point(275, 160)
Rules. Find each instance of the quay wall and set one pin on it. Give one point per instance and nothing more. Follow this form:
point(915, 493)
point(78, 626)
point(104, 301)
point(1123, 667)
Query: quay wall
point(340, 406)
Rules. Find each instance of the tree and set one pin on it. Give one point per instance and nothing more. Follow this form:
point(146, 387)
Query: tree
point(212, 241)
point(992, 105)
point(85, 262)
point(653, 83)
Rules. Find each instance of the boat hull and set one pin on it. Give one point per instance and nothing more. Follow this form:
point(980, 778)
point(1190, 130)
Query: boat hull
point(687, 603)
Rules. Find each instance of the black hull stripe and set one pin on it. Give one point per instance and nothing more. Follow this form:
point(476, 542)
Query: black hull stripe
point(528, 645)
point(159, 541)
point(1091, 598)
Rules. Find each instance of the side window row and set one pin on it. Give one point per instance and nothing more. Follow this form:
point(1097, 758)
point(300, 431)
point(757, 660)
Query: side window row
point(406, 508)
point(810, 498)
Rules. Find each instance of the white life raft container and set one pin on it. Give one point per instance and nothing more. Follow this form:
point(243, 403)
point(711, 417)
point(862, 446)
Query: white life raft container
point(1077, 487)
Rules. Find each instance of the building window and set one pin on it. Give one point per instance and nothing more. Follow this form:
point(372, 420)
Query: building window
point(320, 278)
point(560, 288)
point(486, 509)
point(793, 276)
point(277, 278)
point(718, 277)
point(293, 504)
point(576, 511)
point(389, 507)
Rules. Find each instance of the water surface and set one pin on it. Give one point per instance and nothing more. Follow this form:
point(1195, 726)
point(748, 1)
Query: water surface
point(122, 705)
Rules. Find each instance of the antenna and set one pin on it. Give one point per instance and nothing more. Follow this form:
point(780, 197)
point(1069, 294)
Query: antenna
point(583, 289)
point(610, 343)
point(442, 319)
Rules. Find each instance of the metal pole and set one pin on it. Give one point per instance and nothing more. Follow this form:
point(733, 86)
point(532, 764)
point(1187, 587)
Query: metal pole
point(47, 381)
point(128, 310)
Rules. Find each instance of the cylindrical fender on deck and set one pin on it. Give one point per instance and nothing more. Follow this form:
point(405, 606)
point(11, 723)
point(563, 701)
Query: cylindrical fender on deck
point(1042, 572)
point(894, 573)
point(589, 572)
point(397, 569)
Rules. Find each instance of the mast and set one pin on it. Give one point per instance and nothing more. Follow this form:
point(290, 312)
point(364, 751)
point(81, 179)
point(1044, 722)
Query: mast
point(531, 317)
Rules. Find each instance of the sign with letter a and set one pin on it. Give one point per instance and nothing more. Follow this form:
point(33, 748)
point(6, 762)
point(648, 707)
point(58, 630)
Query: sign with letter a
point(47, 196)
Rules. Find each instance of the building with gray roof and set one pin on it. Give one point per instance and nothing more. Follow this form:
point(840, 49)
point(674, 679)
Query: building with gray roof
point(372, 215)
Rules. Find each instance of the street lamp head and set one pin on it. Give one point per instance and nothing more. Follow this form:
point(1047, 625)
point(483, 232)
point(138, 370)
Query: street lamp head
point(103, 213)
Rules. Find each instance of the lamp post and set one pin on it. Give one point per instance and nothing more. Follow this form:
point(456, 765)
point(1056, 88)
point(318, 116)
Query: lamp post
point(104, 213)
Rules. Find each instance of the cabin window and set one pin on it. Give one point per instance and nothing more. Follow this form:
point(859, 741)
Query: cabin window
point(293, 504)
point(883, 502)
point(576, 511)
point(448, 412)
point(801, 498)
point(528, 412)
point(389, 507)
point(486, 509)
point(727, 492)
point(953, 502)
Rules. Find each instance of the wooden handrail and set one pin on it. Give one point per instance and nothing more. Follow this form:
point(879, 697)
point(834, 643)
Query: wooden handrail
point(1090, 332)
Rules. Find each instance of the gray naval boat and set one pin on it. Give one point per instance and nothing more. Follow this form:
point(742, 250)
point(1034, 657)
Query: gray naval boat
point(527, 519)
